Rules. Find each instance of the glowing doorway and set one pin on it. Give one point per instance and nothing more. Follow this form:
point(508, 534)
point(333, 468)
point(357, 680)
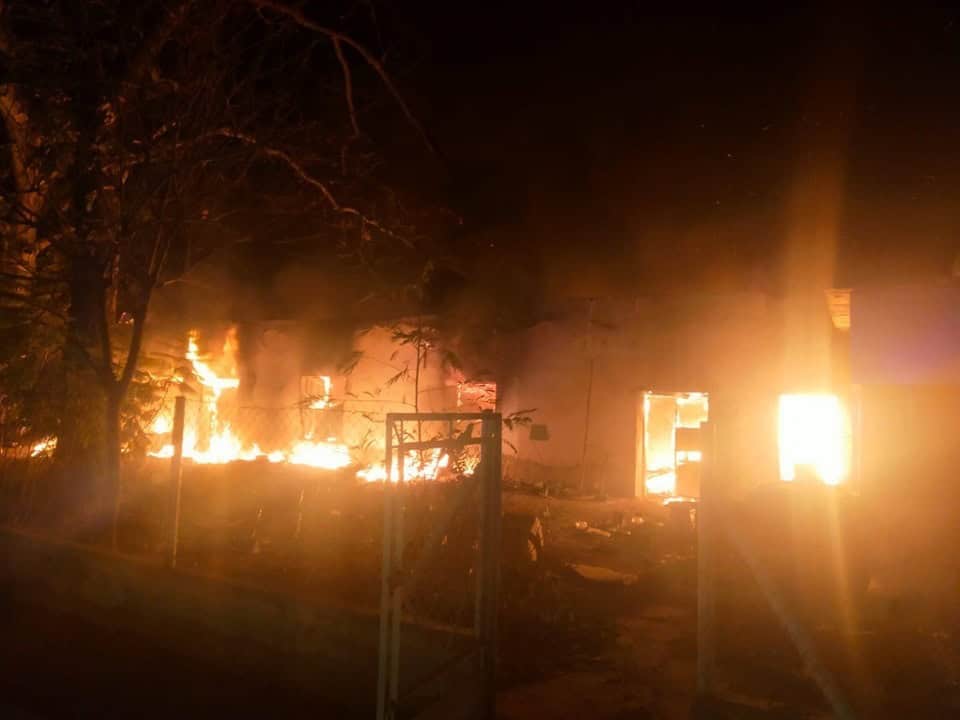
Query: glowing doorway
point(670, 449)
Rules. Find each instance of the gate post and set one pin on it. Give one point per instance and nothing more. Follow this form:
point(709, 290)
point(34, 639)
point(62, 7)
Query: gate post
point(398, 581)
point(386, 577)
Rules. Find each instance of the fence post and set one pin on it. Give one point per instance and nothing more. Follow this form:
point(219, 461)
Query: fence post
point(491, 528)
point(398, 493)
point(706, 540)
point(176, 482)
point(386, 578)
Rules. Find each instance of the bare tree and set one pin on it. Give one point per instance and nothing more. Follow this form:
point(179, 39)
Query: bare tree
point(130, 130)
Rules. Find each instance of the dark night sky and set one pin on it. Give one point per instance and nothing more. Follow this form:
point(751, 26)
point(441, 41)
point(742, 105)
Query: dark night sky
point(609, 145)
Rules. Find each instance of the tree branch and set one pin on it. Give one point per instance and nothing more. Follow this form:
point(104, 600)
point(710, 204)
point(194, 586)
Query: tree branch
point(6, 44)
point(305, 176)
point(351, 109)
point(347, 86)
point(17, 122)
point(297, 16)
point(164, 30)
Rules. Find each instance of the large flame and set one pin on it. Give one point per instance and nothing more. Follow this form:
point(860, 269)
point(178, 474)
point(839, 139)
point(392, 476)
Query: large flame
point(324, 401)
point(205, 374)
point(211, 440)
point(422, 465)
point(44, 448)
point(161, 425)
point(814, 433)
point(221, 444)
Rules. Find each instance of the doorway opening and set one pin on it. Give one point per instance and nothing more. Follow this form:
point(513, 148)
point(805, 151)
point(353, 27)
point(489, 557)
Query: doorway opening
point(670, 445)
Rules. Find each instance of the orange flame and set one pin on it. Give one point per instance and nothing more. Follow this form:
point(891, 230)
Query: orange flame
point(222, 445)
point(44, 448)
point(814, 432)
point(424, 465)
point(323, 402)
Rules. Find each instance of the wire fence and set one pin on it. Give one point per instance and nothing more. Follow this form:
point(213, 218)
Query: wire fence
point(224, 431)
point(268, 428)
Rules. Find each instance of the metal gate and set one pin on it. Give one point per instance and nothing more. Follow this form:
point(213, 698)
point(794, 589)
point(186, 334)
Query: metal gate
point(441, 556)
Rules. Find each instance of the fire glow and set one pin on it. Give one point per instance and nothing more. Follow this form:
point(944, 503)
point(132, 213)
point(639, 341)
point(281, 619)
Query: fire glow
point(209, 439)
point(665, 458)
point(416, 465)
point(323, 402)
point(44, 448)
point(813, 432)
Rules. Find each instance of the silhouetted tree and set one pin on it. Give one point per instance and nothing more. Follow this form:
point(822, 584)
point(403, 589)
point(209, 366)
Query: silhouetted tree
point(138, 135)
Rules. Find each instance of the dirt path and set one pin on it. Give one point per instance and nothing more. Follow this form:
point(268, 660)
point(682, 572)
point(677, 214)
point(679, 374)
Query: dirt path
point(649, 673)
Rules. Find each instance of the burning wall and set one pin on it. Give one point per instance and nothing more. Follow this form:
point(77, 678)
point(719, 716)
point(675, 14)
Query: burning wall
point(266, 403)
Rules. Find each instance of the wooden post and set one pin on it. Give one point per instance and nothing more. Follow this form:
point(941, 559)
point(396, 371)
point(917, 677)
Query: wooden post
point(176, 482)
point(706, 548)
point(386, 579)
point(491, 529)
point(398, 492)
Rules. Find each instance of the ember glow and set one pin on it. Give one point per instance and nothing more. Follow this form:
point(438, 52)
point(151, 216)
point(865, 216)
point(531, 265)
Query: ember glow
point(423, 465)
point(323, 402)
point(44, 448)
point(329, 454)
point(814, 432)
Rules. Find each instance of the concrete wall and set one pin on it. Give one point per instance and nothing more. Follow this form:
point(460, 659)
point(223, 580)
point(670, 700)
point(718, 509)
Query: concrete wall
point(383, 381)
point(728, 346)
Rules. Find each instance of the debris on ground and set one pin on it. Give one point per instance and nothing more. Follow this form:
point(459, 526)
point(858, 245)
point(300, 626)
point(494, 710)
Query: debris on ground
point(585, 527)
point(598, 574)
point(523, 538)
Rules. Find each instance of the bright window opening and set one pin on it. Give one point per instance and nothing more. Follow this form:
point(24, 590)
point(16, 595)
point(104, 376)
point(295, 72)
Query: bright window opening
point(814, 438)
point(671, 442)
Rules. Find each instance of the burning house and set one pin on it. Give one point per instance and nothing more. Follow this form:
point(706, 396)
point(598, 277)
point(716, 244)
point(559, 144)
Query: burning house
point(618, 391)
point(256, 392)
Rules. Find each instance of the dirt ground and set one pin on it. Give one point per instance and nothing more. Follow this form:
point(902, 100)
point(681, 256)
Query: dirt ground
point(886, 654)
point(627, 576)
point(601, 625)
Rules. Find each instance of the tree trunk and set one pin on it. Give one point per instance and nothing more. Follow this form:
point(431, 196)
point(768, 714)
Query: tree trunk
point(80, 452)
point(111, 464)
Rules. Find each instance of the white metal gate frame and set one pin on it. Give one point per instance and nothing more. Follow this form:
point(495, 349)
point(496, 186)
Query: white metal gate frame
point(397, 581)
